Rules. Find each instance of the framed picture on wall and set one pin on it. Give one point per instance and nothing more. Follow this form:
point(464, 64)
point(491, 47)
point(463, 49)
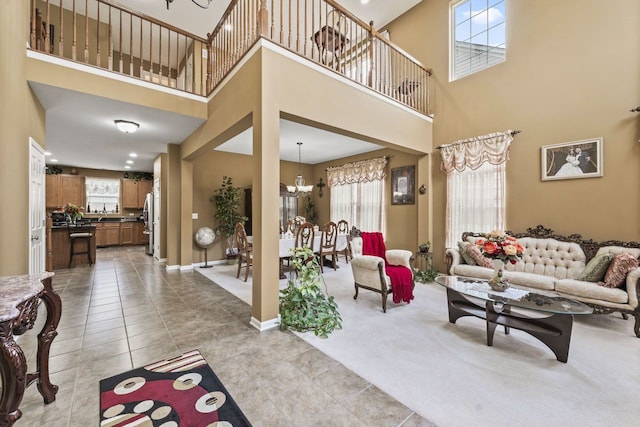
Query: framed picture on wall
point(570, 160)
point(403, 185)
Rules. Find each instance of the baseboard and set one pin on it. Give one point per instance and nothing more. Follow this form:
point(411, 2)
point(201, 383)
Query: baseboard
point(186, 267)
point(263, 326)
point(172, 267)
point(210, 263)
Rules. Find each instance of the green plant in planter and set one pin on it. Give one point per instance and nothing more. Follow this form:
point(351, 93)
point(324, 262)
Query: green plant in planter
point(303, 304)
point(426, 275)
point(227, 202)
point(310, 210)
point(424, 247)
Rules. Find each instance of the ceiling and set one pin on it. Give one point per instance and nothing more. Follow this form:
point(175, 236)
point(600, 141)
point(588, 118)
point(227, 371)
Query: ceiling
point(80, 130)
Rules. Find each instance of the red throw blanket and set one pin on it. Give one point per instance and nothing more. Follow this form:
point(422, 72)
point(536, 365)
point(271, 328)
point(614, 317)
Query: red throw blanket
point(401, 283)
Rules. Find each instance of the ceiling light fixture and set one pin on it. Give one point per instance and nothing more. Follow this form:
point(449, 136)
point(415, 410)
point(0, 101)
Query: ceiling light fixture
point(133, 155)
point(126, 126)
point(299, 186)
point(127, 167)
point(194, 2)
point(129, 162)
point(364, 1)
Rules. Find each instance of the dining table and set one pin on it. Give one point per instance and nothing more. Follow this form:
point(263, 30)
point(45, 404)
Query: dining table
point(288, 242)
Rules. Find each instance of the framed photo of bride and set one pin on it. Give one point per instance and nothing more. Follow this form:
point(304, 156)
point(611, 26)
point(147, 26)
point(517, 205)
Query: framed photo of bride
point(570, 160)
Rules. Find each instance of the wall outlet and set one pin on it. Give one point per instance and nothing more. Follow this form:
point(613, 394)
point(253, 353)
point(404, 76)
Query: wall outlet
point(194, 215)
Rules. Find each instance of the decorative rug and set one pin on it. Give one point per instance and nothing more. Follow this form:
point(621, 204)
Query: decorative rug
point(182, 391)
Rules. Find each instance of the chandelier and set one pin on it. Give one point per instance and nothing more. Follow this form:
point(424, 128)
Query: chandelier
point(299, 186)
point(194, 2)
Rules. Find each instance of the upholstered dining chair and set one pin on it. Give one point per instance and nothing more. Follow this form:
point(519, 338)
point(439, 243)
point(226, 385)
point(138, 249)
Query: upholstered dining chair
point(328, 244)
point(343, 228)
point(244, 250)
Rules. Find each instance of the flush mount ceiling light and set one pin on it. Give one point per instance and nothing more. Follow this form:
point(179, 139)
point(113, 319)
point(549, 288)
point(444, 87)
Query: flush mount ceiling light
point(299, 187)
point(194, 2)
point(126, 126)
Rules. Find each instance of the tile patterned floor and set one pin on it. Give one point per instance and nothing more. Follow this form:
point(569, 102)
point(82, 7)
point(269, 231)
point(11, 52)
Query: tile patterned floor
point(127, 310)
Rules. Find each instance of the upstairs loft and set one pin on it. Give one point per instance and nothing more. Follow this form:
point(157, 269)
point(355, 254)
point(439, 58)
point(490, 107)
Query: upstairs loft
point(110, 37)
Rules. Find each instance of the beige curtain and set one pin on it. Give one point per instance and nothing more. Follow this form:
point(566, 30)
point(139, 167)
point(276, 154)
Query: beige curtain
point(364, 171)
point(472, 152)
point(476, 184)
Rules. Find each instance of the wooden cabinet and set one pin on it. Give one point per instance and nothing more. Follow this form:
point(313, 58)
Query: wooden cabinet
point(63, 189)
point(140, 238)
point(135, 192)
point(126, 233)
point(111, 234)
point(100, 236)
point(288, 208)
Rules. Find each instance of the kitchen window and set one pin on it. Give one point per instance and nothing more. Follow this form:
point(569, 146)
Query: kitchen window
point(478, 37)
point(103, 195)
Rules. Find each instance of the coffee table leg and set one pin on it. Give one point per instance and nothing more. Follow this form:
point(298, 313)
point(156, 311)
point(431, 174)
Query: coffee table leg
point(13, 366)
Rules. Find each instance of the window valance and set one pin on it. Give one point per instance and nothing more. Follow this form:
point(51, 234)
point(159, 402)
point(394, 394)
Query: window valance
point(364, 171)
point(473, 152)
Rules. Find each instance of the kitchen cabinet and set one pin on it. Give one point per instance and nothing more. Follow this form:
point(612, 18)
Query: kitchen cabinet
point(140, 238)
point(62, 189)
point(134, 193)
point(100, 236)
point(126, 233)
point(111, 234)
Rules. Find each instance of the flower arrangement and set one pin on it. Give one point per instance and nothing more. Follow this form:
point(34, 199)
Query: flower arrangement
point(72, 210)
point(499, 245)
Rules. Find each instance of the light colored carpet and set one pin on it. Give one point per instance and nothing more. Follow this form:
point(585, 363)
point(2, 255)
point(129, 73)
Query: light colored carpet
point(446, 372)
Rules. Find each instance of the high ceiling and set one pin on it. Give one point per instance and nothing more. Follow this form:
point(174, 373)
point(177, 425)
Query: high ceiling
point(81, 132)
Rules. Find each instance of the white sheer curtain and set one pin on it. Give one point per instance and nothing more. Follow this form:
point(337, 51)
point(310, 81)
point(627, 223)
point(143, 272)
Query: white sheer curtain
point(358, 194)
point(476, 184)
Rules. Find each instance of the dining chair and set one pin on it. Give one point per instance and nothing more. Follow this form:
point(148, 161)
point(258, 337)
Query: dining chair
point(244, 250)
point(328, 244)
point(343, 228)
point(305, 235)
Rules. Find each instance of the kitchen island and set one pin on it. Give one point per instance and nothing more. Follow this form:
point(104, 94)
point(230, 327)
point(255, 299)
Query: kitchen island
point(58, 246)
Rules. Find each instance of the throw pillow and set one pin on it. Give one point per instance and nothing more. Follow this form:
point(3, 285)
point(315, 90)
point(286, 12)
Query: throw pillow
point(618, 269)
point(481, 260)
point(596, 268)
point(462, 248)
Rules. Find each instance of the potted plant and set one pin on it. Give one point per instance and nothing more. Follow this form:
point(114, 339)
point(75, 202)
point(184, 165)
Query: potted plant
point(303, 304)
point(310, 210)
point(424, 247)
point(227, 202)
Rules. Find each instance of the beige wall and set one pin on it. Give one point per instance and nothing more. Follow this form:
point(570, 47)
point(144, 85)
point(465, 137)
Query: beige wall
point(21, 116)
point(571, 73)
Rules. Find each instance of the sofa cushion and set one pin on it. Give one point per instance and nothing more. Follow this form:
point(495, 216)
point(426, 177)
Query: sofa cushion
point(475, 271)
point(462, 248)
point(550, 257)
point(592, 291)
point(617, 272)
point(531, 280)
point(481, 260)
point(596, 268)
point(619, 249)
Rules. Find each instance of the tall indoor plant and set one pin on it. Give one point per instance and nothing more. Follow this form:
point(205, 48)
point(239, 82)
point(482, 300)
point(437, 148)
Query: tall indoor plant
point(227, 202)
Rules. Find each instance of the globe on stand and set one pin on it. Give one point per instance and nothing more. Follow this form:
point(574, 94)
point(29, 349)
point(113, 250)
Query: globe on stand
point(204, 238)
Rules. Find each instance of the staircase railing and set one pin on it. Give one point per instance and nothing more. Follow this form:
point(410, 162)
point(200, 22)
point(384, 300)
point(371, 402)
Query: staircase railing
point(112, 37)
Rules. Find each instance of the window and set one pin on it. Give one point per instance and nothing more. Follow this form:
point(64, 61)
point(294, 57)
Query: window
point(361, 204)
point(477, 36)
point(103, 195)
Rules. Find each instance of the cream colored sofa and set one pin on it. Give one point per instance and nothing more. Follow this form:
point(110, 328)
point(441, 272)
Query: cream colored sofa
point(552, 263)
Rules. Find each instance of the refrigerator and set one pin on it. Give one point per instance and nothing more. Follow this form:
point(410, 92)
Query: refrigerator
point(147, 214)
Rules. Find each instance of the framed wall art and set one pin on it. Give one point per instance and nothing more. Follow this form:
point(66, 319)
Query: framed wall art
point(403, 185)
point(570, 160)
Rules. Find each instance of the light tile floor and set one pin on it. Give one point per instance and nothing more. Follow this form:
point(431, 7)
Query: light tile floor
point(128, 310)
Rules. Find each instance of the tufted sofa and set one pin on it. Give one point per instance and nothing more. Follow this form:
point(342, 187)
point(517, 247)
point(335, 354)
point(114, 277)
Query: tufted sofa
point(552, 263)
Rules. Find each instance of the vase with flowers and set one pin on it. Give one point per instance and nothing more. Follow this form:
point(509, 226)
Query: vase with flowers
point(73, 211)
point(502, 248)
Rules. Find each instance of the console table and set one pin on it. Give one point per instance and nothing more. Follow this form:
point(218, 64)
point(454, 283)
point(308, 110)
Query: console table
point(19, 299)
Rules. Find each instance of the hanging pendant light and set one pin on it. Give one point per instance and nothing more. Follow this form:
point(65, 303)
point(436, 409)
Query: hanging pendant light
point(299, 186)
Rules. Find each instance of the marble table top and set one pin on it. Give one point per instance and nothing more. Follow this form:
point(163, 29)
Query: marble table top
point(15, 290)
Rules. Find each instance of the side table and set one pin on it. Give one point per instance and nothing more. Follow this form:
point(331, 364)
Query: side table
point(19, 298)
point(422, 261)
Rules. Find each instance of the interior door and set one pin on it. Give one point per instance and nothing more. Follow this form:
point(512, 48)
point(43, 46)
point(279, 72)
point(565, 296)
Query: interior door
point(156, 218)
point(37, 210)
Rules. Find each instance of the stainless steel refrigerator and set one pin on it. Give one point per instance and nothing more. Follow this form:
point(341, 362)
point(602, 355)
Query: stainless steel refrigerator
point(147, 214)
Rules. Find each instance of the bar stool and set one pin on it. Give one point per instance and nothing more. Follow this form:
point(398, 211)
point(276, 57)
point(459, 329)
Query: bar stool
point(79, 235)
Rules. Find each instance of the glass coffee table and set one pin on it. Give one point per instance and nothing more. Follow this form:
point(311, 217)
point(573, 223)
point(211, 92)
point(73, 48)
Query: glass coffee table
point(554, 330)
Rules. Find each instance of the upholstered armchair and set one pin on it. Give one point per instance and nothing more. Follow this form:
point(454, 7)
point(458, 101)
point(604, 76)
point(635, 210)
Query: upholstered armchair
point(369, 271)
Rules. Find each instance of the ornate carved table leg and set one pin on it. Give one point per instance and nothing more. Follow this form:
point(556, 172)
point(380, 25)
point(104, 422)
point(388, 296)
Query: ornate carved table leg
point(12, 372)
point(54, 310)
